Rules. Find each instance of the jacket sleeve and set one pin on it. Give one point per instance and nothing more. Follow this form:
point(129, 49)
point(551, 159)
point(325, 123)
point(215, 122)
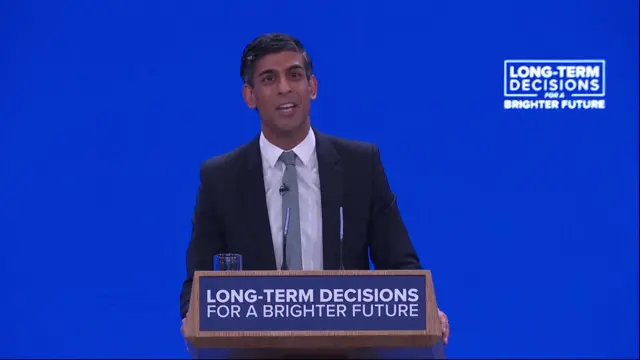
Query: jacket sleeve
point(206, 237)
point(390, 245)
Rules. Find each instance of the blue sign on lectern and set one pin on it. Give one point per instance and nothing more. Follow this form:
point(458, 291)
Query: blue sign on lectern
point(313, 303)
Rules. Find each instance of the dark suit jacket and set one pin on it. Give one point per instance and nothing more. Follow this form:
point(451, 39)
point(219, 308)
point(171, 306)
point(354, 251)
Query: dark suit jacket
point(231, 212)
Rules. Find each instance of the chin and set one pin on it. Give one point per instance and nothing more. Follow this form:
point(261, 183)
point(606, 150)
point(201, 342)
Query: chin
point(288, 125)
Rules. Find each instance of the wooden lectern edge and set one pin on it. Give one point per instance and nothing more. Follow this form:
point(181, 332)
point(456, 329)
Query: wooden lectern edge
point(318, 339)
point(319, 342)
point(198, 274)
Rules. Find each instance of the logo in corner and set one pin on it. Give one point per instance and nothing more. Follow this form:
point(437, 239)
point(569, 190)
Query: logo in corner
point(554, 84)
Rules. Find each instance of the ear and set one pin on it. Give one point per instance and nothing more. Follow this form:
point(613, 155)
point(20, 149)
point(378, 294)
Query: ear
point(249, 97)
point(313, 87)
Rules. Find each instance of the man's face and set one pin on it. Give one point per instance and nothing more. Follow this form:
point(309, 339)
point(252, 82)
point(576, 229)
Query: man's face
point(281, 92)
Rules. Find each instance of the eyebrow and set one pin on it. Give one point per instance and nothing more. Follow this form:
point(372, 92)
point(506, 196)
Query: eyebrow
point(269, 71)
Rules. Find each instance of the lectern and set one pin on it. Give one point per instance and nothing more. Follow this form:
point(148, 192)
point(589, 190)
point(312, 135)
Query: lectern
point(314, 314)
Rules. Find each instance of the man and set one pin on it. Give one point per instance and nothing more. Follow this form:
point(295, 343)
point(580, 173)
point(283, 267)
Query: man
point(239, 207)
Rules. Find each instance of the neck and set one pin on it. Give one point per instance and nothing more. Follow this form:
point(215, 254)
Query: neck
point(287, 140)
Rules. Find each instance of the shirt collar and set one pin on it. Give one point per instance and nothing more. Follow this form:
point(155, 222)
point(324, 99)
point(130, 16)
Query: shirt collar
point(304, 150)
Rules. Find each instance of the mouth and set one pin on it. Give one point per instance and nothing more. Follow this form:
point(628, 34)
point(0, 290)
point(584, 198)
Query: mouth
point(287, 108)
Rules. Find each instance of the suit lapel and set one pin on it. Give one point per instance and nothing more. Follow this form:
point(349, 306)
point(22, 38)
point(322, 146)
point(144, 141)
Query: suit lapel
point(255, 206)
point(331, 189)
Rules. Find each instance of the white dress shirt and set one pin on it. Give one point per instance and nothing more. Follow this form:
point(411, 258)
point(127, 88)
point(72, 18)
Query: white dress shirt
point(309, 198)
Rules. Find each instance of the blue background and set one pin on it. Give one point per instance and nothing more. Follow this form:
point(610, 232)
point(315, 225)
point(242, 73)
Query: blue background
point(528, 219)
point(318, 320)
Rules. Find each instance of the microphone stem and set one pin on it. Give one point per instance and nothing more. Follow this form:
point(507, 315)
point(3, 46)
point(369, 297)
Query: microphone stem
point(284, 253)
point(341, 238)
point(285, 232)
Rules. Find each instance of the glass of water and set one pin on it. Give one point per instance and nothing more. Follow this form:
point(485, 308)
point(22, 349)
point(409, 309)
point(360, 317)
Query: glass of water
point(227, 262)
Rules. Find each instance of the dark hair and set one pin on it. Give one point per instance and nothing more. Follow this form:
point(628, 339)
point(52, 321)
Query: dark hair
point(270, 44)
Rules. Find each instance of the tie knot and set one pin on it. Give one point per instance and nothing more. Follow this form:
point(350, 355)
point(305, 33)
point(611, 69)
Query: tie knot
point(288, 158)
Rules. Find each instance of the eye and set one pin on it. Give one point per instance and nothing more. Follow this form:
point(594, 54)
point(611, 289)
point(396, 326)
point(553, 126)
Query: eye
point(296, 74)
point(267, 79)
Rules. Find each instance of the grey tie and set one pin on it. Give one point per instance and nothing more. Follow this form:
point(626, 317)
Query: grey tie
point(290, 201)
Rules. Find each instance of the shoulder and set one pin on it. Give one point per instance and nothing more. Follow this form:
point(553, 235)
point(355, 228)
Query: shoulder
point(349, 146)
point(352, 149)
point(226, 163)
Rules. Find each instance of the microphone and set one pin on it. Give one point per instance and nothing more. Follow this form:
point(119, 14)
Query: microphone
point(285, 231)
point(284, 188)
point(341, 238)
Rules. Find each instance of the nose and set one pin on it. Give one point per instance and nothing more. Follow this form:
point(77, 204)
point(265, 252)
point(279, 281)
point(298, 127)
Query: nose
point(283, 86)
